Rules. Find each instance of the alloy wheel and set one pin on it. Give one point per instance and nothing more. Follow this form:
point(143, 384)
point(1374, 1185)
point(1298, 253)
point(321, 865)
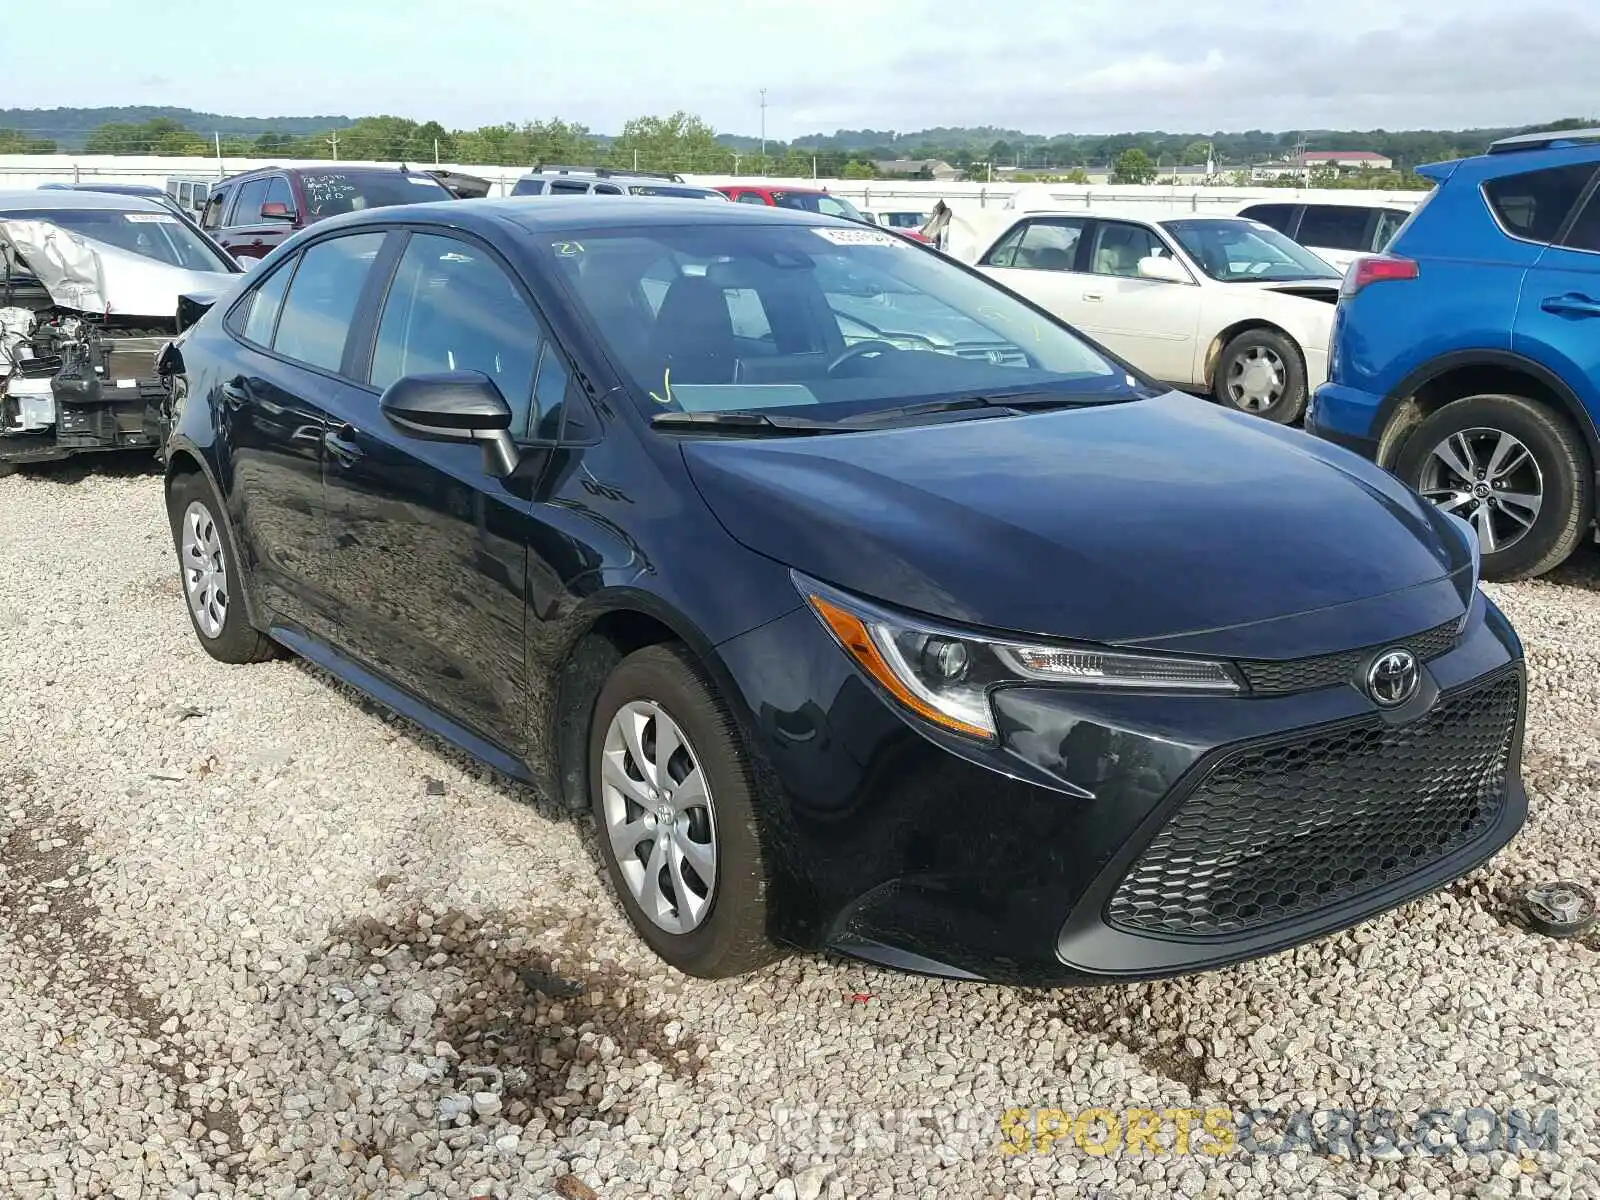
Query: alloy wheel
point(1256, 379)
point(205, 570)
point(659, 816)
point(1488, 478)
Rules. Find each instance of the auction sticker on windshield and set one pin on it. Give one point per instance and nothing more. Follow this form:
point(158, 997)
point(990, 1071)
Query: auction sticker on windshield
point(150, 218)
point(857, 237)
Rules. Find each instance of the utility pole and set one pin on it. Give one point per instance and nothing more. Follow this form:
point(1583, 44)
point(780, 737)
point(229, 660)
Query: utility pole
point(436, 152)
point(216, 135)
point(334, 142)
point(763, 124)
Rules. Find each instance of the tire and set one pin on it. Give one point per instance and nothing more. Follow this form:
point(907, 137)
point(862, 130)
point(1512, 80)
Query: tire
point(720, 931)
point(224, 629)
point(1559, 470)
point(1287, 403)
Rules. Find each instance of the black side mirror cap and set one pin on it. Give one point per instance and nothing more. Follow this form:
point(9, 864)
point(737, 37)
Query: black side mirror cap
point(454, 406)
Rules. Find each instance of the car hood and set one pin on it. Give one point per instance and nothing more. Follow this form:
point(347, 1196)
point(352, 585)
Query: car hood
point(90, 276)
point(1165, 522)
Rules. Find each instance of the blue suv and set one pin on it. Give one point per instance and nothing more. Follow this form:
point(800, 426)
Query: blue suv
point(1466, 358)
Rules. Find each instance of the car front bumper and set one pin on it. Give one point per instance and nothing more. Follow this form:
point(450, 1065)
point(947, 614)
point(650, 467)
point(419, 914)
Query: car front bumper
point(1119, 836)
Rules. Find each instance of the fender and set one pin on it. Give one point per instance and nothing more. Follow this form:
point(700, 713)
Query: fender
point(1507, 360)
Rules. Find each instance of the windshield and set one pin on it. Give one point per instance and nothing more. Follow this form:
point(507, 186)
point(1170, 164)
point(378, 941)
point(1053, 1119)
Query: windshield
point(329, 193)
point(817, 321)
point(1241, 251)
point(158, 235)
point(818, 202)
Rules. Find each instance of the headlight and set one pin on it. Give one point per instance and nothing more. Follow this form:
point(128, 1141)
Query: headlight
point(945, 675)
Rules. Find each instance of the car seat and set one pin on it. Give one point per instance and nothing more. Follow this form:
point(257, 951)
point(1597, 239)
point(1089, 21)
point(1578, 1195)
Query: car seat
point(693, 334)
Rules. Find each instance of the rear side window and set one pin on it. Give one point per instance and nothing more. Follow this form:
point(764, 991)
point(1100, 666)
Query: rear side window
point(1334, 227)
point(322, 299)
point(257, 313)
point(1389, 222)
point(1045, 245)
point(1585, 231)
point(1279, 216)
point(567, 186)
point(1534, 205)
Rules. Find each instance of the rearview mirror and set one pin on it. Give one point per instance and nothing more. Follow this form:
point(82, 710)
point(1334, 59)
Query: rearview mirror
point(1167, 270)
point(276, 210)
point(454, 406)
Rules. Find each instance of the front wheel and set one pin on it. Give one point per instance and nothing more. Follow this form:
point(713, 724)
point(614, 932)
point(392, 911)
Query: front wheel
point(673, 801)
point(1515, 470)
point(1260, 372)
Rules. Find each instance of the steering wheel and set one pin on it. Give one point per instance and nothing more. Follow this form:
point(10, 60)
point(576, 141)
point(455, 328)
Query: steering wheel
point(871, 346)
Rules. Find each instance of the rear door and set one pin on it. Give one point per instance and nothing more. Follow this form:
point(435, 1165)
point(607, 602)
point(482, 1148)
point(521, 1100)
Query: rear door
point(432, 549)
point(292, 327)
point(1558, 317)
point(1044, 259)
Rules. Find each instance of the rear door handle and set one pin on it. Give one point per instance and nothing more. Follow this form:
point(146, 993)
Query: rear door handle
point(234, 395)
point(1094, 297)
point(341, 444)
point(1573, 304)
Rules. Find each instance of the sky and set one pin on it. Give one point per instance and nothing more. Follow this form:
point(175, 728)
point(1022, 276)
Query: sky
point(1042, 66)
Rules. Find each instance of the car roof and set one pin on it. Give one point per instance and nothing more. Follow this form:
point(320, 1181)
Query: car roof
point(556, 214)
point(116, 189)
point(32, 199)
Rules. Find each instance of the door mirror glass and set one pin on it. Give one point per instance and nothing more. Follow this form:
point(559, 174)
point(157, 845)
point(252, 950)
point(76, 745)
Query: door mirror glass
point(1167, 270)
point(454, 406)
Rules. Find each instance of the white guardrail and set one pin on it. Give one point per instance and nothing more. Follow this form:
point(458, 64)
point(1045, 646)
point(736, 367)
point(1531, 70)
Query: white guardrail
point(26, 171)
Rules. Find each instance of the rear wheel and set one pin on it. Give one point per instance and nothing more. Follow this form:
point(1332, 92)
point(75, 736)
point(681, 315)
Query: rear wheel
point(1260, 372)
point(211, 575)
point(672, 796)
point(1515, 470)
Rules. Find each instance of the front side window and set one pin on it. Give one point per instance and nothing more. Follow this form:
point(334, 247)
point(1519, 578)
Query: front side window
point(252, 194)
point(1334, 227)
point(528, 187)
point(1042, 244)
point(451, 307)
point(322, 300)
point(1535, 204)
point(1236, 250)
point(1118, 247)
point(211, 218)
point(751, 198)
point(568, 187)
point(825, 322)
point(278, 193)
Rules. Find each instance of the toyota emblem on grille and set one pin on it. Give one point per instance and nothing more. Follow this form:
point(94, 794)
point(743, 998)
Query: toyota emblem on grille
point(1393, 677)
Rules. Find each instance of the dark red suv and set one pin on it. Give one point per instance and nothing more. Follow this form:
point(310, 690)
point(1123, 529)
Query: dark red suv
point(251, 213)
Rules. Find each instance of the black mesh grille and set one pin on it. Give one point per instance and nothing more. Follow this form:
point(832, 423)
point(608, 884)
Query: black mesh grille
point(1305, 674)
point(1274, 832)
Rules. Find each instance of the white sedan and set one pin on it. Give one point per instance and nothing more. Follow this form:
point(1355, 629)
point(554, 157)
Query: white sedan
point(1223, 305)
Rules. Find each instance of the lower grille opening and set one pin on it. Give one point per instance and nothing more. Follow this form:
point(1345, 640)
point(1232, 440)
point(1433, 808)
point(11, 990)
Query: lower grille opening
point(1275, 832)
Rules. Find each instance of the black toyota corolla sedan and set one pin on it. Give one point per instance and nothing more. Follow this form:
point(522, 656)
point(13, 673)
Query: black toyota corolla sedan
point(864, 604)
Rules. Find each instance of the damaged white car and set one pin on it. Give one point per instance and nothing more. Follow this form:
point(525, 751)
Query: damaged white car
point(90, 291)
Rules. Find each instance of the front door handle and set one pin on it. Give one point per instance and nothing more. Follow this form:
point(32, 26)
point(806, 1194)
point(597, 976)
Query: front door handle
point(342, 445)
point(1573, 304)
point(1094, 297)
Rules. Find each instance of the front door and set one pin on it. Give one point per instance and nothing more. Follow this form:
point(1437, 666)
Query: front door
point(251, 234)
point(1152, 323)
point(431, 550)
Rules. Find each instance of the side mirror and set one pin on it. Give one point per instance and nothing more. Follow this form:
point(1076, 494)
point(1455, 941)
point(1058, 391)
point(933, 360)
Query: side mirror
point(454, 406)
point(1167, 270)
point(276, 210)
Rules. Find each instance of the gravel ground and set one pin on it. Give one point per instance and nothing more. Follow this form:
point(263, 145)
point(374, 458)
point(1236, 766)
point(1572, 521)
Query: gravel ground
point(258, 938)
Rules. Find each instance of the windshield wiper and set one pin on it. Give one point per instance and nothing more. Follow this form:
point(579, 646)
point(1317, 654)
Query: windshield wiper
point(742, 421)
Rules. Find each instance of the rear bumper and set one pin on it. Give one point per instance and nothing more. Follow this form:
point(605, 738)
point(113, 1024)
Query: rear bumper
point(1347, 417)
point(897, 846)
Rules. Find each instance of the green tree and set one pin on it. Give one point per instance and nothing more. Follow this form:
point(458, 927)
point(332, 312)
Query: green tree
point(14, 141)
point(1133, 166)
point(1196, 154)
point(856, 169)
point(679, 142)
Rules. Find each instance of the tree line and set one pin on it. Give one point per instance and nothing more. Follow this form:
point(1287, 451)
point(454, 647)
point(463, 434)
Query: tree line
point(684, 142)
